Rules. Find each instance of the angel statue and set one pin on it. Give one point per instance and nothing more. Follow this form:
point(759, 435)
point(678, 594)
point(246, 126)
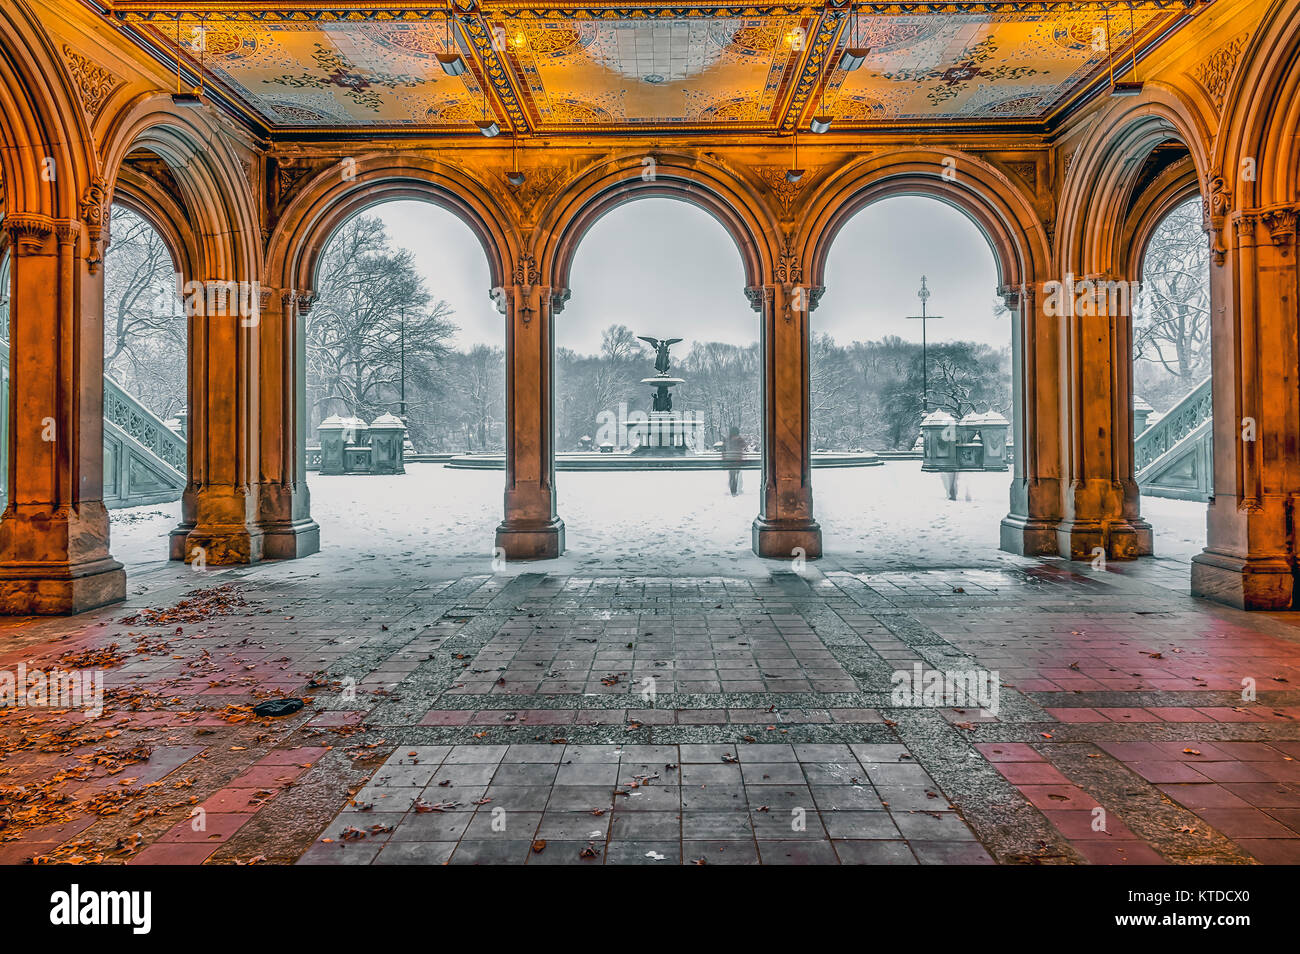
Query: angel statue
point(661, 351)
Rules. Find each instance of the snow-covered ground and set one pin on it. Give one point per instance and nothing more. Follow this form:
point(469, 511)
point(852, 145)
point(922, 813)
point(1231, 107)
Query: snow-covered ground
point(679, 523)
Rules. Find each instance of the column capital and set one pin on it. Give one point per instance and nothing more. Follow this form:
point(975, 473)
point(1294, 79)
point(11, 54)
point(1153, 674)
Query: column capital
point(28, 231)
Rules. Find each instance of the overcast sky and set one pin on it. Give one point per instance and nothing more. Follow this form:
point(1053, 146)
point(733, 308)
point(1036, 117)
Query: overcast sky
point(667, 269)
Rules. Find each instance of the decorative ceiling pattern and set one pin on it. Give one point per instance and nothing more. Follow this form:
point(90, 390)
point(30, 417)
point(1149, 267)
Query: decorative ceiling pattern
point(622, 69)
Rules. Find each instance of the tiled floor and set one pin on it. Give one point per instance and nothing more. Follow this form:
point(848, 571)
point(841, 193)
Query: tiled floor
point(577, 718)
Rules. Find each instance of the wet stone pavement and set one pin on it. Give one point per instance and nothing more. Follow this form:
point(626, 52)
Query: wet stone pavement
point(542, 718)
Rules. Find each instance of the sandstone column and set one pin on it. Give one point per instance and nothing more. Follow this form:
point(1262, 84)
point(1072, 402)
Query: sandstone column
point(531, 529)
point(284, 503)
point(54, 532)
point(1094, 370)
point(1249, 557)
point(785, 523)
point(1030, 526)
point(219, 514)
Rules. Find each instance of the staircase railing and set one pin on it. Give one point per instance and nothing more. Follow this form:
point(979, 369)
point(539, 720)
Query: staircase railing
point(1195, 408)
point(161, 464)
point(145, 427)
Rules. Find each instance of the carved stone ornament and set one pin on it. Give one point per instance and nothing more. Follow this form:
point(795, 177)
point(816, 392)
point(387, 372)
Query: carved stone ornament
point(1281, 225)
point(94, 212)
point(526, 272)
point(94, 83)
point(1215, 71)
point(28, 231)
point(788, 270)
point(1216, 205)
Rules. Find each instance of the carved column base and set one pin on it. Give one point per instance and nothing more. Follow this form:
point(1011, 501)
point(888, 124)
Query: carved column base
point(1145, 537)
point(1079, 539)
point(1252, 584)
point(57, 589)
point(524, 540)
point(289, 541)
point(1028, 537)
point(57, 561)
point(217, 544)
point(288, 531)
point(779, 539)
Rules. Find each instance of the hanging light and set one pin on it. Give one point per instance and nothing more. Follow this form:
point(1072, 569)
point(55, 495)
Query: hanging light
point(514, 176)
point(452, 63)
point(488, 127)
point(822, 123)
point(794, 174)
point(1132, 87)
point(191, 97)
point(854, 55)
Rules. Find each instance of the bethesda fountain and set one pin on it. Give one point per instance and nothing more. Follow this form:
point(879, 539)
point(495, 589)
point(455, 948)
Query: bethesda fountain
point(663, 432)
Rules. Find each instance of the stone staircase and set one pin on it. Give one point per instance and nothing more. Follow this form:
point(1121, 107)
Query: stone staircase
point(1174, 457)
point(144, 459)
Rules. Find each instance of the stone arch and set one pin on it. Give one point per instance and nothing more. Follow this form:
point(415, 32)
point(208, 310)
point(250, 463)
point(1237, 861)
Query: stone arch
point(140, 194)
point(1105, 209)
point(621, 179)
point(1099, 186)
point(328, 200)
point(982, 193)
point(1262, 113)
point(1171, 188)
point(1005, 213)
point(223, 236)
point(40, 117)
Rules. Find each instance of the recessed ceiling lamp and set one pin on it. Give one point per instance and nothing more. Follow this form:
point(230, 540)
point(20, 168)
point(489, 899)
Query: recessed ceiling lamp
point(1132, 87)
point(855, 54)
point(191, 97)
point(452, 63)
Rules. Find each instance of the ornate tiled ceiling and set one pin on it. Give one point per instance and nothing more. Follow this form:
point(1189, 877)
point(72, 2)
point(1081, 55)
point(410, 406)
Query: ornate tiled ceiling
point(618, 68)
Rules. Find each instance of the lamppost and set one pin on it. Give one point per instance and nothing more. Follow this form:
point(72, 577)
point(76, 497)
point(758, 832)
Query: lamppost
point(401, 350)
point(924, 295)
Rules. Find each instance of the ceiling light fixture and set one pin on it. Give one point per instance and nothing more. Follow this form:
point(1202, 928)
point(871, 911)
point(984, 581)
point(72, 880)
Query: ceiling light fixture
point(488, 127)
point(452, 63)
point(514, 176)
point(1131, 87)
point(192, 97)
point(794, 173)
point(822, 123)
point(855, 54)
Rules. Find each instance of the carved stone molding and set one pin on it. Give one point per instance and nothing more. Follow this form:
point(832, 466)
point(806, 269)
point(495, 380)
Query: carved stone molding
point(28, 231)
point(526, 272)
point(291, 298)
point(1243, 224)
point(539, 183)
point(1215, 71)
point(783, 190)
point(757, 295)
point(93, 209)
point(1027, 171)
point(1281, 224)
point(94, 83)
point(1216, 202)
point(789, 270)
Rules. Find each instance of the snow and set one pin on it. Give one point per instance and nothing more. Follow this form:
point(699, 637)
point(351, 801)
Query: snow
point(440, 522)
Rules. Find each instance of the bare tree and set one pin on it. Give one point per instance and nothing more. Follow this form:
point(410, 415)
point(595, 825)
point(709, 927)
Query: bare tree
point(144, 323)
point(372, 308)
point(1171, 328)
